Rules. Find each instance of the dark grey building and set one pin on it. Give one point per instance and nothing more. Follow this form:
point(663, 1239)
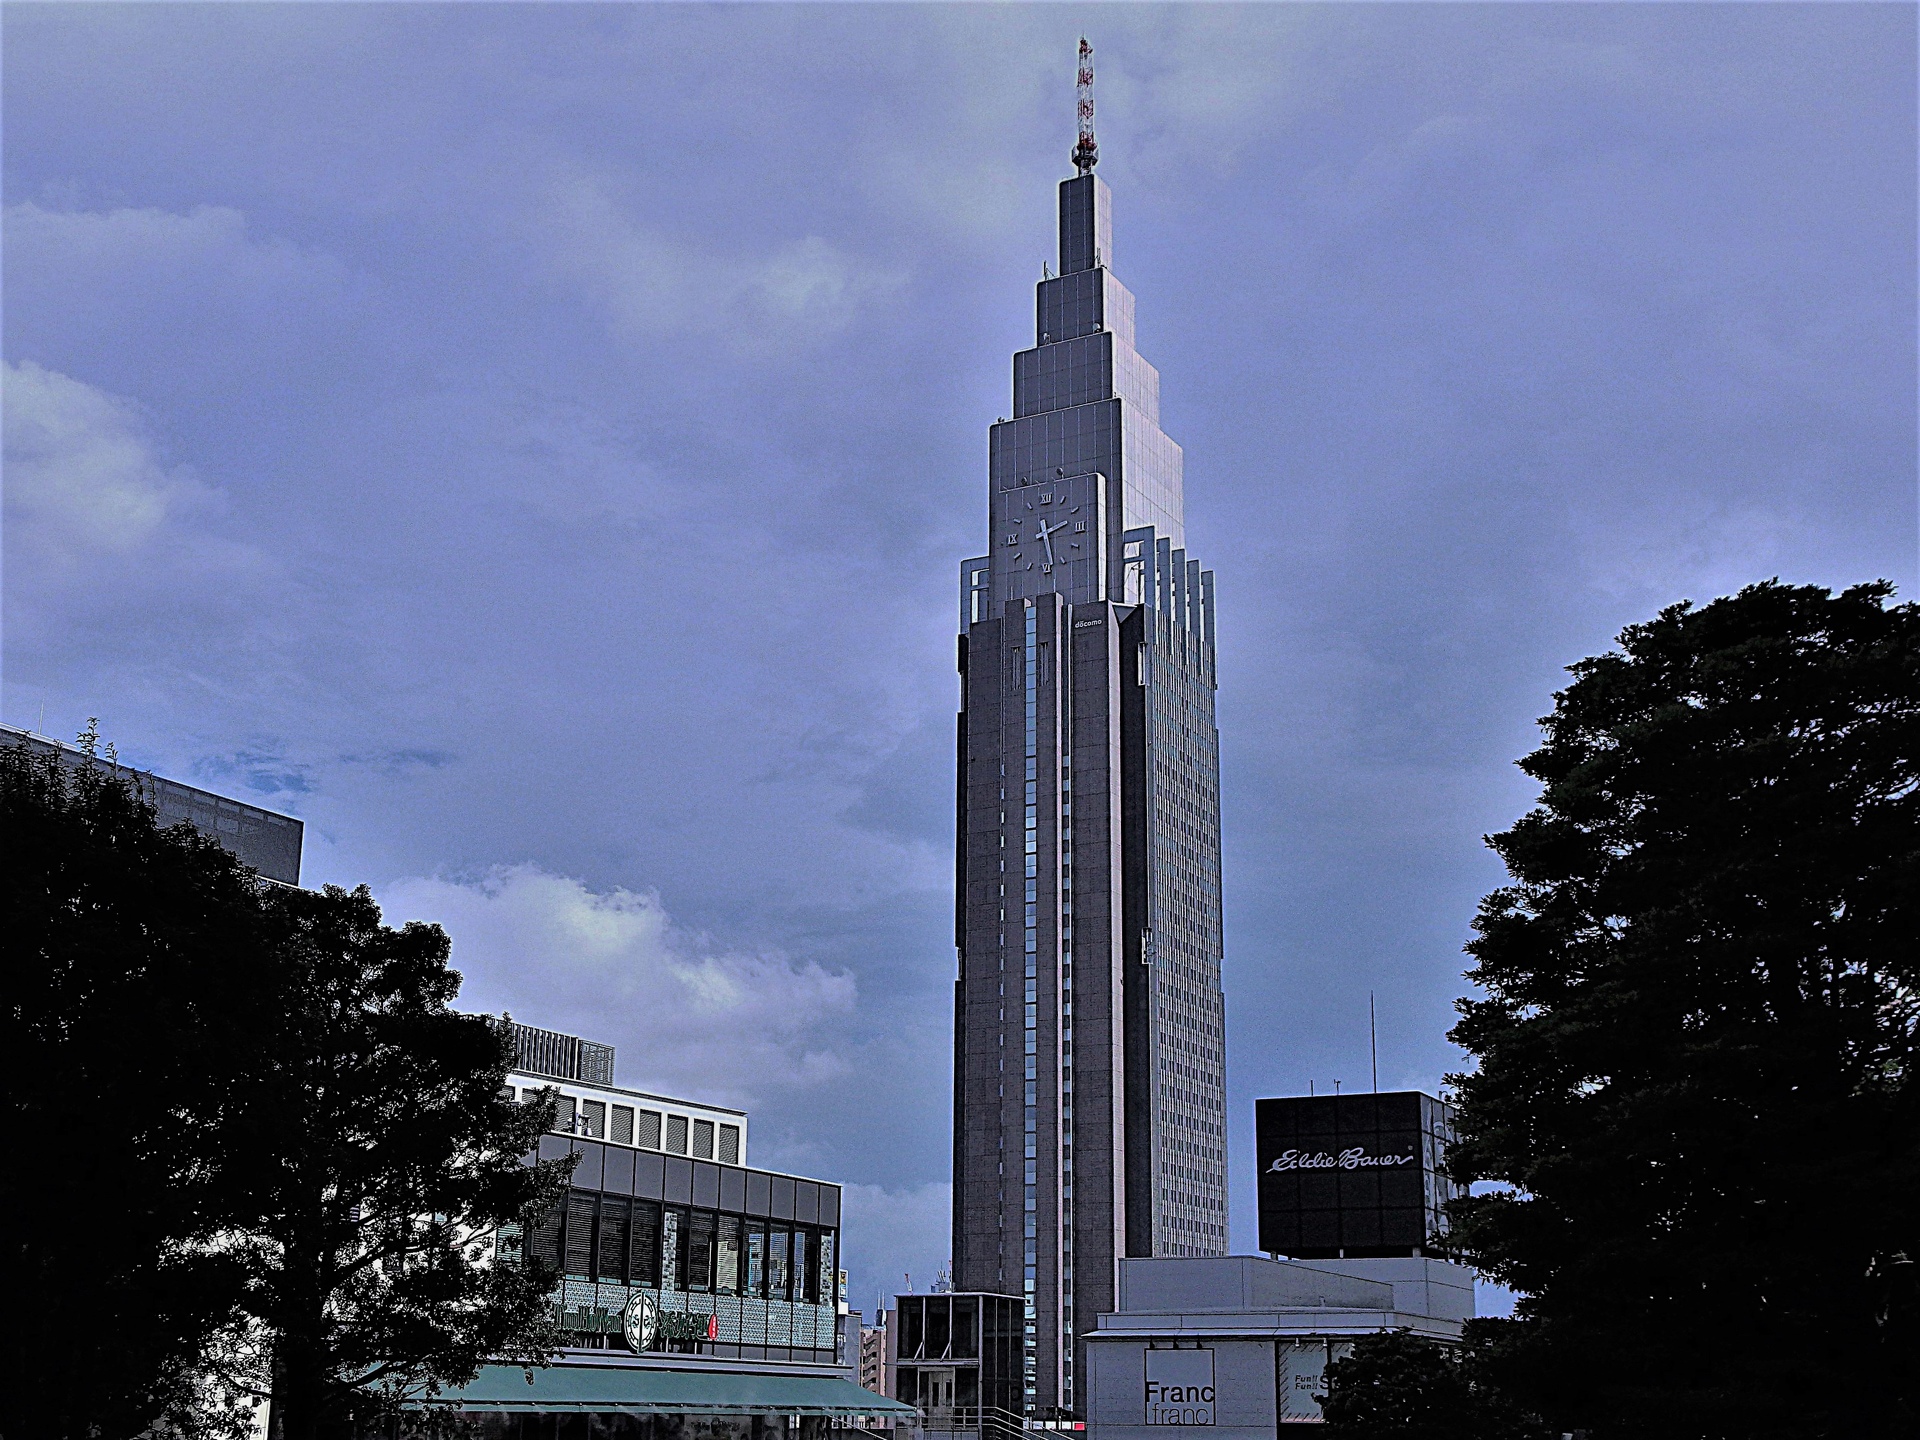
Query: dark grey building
point(267, 841)
point(1089, 1037)
point(1353, 1175)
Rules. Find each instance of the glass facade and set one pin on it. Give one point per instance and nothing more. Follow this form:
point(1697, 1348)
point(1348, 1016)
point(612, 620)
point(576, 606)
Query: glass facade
point(754, 1252)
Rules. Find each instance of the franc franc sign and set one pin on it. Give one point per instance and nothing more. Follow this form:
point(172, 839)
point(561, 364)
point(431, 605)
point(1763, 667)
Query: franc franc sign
point(1179, 1387)
point(1354, 1158)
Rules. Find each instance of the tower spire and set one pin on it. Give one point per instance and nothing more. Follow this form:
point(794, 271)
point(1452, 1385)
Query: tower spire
point(1086, 154)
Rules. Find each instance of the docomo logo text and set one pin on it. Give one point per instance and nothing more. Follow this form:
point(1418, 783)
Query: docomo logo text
point(1353, 1159)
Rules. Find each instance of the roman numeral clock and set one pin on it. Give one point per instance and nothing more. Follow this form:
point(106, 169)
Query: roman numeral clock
point(1048, 537)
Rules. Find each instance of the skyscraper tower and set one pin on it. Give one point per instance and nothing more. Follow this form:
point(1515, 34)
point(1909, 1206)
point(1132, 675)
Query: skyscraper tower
point(1089, 1022)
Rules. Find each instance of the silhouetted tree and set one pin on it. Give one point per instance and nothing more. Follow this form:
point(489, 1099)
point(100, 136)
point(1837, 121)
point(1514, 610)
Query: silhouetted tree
point(132, 962)
point(1401, 1386)
point(252, 1151)
point(1697, 1040)
point(376, 1154)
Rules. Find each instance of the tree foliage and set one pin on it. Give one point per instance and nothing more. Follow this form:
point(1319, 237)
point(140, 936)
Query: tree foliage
point(130, 957)
point(1401, 1386)
point(252, 1150)
point(376, 1155)
point(1696, 1043)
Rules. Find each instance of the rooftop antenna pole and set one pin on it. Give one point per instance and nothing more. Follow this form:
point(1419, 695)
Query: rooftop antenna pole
point(1086, 154)
point(1373, 1043)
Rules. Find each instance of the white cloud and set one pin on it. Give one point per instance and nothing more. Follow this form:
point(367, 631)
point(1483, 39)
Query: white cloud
point(96, 518)
point(82, 477)
point(654, 284)
point(724, 1027)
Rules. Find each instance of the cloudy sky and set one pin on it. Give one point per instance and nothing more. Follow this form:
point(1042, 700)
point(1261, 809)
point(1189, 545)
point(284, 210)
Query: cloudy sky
point(534, 444)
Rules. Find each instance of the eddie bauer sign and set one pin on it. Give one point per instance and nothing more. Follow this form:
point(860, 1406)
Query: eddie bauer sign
point(1179, 1387)
point(1355, 1158)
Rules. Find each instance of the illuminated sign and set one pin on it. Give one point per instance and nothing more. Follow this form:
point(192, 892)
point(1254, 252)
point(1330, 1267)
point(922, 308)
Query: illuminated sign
point(1179, 1387)
point(1353, 1158)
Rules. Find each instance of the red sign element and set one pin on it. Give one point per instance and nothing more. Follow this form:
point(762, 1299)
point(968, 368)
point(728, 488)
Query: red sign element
point(713, 1327)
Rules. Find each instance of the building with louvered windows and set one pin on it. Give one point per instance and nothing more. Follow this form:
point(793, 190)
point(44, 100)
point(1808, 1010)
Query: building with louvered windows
point(696, 1294)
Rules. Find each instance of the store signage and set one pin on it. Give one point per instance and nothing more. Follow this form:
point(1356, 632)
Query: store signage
point(1355, 1158)
point(640, 1321)
point(1179, 1387)
point(644, 1323)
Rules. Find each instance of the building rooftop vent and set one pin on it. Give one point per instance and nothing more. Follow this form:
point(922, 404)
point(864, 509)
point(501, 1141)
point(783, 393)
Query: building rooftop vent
point(564, 1057)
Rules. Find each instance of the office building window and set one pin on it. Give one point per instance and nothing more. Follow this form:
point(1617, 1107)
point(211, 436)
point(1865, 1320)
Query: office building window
point(563, 1115)
point(703, 1139)
point(757, 1257)
point(593, 1118)
point(648, 1136)
point(622, 1125)
point(729, 1144)
point(677, 1134)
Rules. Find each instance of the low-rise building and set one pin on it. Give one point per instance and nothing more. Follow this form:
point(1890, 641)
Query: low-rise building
point(1241, 1343)
point(698, 1295)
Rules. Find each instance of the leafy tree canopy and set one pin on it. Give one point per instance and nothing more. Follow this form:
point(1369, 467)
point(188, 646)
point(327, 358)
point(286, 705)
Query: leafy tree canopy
point(256, 1155)
point(1399, 1386)
point(1696, 1041)
point(376, 1156)
point(132, 954)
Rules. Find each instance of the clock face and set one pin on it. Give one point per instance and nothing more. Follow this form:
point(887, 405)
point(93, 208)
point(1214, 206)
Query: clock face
point(1043, 527)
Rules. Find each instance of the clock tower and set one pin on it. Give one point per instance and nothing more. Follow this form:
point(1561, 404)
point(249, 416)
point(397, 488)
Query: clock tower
point(1089, 1020)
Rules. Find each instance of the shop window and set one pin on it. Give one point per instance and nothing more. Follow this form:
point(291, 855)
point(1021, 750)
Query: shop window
point(726, 1255)
point(615, 1223)
point(677, 1134)
point(670, 1231)
point(580, 1217)
point(806, 1265)
point(779, 1263)
point(643, 1265)
point(757, 1258)
point(545, 1239)
point(729, 1144)
point(648, 1133)
point(703, 1139)
point(622, 1125)
point(700, 1238)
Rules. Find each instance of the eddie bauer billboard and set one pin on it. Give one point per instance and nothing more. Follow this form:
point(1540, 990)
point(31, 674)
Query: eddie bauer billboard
point(1352, 1175)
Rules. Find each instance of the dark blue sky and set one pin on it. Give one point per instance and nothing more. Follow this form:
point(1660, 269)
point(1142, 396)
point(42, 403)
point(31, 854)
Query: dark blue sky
point(535, 445)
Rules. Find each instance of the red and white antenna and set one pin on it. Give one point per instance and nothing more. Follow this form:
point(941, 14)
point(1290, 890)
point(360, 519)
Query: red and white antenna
point(1086, 154)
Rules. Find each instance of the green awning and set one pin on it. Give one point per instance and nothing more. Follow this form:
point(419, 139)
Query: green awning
point(642, 1389)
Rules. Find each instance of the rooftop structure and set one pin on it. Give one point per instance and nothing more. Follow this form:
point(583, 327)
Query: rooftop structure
point(265, 839)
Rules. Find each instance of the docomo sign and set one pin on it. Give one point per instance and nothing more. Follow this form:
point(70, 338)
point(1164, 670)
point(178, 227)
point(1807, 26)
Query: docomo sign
point(1179, 1388)
point(1354, 1159)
